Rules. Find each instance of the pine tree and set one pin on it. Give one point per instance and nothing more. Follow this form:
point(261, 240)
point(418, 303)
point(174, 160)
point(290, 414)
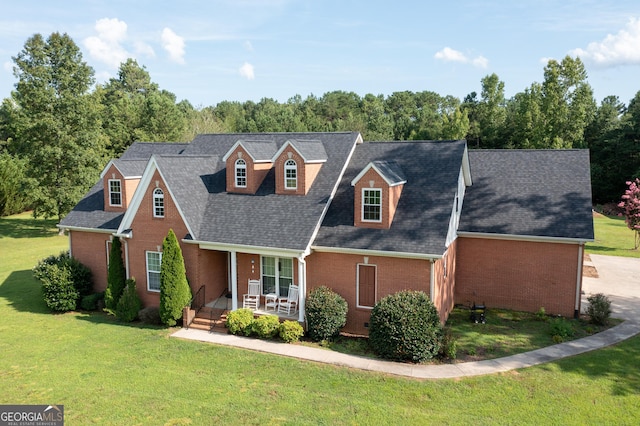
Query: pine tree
point(129, 303)
point(115, 276)
point(175, 293)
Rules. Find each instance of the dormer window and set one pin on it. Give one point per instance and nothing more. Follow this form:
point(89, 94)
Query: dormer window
point(158, 203)
point(241, 173)
point(115, 192)
point(290, 175)
point(371, 205)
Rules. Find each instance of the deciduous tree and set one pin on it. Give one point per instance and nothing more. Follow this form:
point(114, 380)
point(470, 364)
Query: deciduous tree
point(630, 205)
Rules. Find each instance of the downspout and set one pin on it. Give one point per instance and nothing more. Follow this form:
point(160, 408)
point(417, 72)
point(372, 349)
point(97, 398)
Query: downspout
point(302, 283)
point(234, 281)
point(576, 312)
point(432, 280)
point(126, 257)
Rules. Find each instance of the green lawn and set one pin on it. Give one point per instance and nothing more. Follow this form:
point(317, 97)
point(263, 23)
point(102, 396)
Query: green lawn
point(104, 372)
point(612, 237)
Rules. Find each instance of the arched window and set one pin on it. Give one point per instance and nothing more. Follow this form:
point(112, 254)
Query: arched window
point(290, 175)
point(241, 173)
point(158, 203)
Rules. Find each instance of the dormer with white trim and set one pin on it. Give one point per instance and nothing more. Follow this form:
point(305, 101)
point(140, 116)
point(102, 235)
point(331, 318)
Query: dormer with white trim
point(247, 164)
point(297, 163)
point(377, 190)
point(120, 179)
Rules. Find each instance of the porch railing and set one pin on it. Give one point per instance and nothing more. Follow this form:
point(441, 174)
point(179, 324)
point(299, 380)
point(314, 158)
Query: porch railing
point(198, 300)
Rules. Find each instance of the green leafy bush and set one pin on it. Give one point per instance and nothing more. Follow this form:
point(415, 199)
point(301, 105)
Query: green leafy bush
point(291, 331)
point(266, 326)
point(129, 303)
point(240, 321)
point(150, 315)
point(405, 326)
point(561, 329)
point(116, 276)
point(92, 302)
point(326, 313)
point(449, 347)
point(599, 309)
point(541, 315)
point(64, 281)
point(175, 292)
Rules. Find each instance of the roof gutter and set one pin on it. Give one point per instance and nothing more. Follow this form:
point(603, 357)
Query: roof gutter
point(83, 229)
point(250, 249)
point(531, 238)
point(398, 254)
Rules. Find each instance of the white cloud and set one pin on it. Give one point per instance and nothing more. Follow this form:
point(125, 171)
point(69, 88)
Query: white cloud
point(450, 55)
point(248, 46)
point(144, 49)
point(106, 46)
point(622, 48)
point(174, 45)
point(246, 71)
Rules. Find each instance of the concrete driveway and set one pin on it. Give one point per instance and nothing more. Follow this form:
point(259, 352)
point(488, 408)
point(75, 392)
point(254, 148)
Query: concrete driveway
point(619, 279)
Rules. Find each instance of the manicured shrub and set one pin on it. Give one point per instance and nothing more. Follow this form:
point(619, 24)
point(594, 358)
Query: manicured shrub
point(116, 276)
point(266, 326)
point(449, 346)
point(150, 315)
point(291, 331)
point(92, 302)
point(405, 326)
point(129, 303)
point(599, 309)
point(64, 281)
point(326, 313)
point(175, 292)
point(240, 321)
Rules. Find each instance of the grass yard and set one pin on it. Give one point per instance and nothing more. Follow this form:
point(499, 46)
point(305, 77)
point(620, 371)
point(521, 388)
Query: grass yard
point(107, 373)
point(612, 237)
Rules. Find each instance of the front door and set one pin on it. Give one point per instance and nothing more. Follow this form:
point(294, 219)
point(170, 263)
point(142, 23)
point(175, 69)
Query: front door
point(277, 275)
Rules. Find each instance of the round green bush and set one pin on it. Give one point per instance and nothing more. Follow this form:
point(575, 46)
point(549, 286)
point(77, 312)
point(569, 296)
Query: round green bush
point(405, 326)
point(64, 281)
point(599, 309)
point(266, 326)
point(291, 331)
point(240, 321)
point(129, 303)
point(326, 313)
point(92, 302)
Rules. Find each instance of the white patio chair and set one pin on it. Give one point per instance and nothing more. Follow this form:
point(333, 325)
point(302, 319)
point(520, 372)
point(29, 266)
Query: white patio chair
point(289, 304)
point(251, 300)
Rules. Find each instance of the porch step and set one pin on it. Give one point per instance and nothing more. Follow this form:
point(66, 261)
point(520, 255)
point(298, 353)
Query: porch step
point(210, 319)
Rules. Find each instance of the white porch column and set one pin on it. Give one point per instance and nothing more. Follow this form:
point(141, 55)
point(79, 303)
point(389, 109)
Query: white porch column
point(234, 281)
point(432, 280)
point(302, 284)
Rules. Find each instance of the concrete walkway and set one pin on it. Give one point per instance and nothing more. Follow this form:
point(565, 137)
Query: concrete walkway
point(618, 279)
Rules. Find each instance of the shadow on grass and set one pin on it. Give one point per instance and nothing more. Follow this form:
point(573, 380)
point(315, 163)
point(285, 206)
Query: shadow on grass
point(97, 317)
point(23, 293)
point(27, 227)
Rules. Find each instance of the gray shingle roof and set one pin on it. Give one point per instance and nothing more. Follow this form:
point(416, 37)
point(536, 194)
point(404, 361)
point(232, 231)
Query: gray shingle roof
point(144, 150)
point(131, 168)
point(260, 151)
point(311, 150)
point(529, 192)
point(422, 217)
point(89, 212)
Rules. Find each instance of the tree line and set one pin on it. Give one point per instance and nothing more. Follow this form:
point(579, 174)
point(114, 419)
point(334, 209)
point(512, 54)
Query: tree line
point(58, 128)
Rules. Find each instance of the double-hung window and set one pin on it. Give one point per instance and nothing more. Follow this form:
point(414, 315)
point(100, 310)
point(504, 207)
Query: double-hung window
point(154, 260)
point(371, 205)
point(158, 203)
point(115, 192)
point(290, 175)
point(241, 173)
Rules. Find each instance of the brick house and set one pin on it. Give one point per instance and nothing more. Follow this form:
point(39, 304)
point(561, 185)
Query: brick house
point(503, 227)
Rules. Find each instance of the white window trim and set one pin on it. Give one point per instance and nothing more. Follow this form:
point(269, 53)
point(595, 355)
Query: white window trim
point(362, 206)
point(375, 286)
point(288, 167)
point(158, 195)
point(240, 164)
point(146, 257)
point(113, 192)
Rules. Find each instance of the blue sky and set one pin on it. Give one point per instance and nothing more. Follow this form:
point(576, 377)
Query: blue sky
point(213, 50)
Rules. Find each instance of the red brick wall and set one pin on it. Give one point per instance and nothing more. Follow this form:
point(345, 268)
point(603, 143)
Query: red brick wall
point(517, 275)
point(339, 271)
point(255, 172)
point(148, 235)
point(113, 173)
point(90, 248)
point(212, 273)
point(306, 173)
